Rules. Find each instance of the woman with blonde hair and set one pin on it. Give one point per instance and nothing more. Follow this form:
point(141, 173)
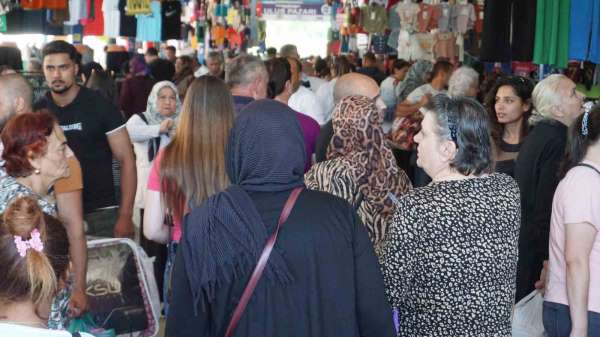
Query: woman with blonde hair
point(192, 167)
point(34, 260)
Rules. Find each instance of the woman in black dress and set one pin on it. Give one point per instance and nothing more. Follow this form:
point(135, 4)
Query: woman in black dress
point(449, 258)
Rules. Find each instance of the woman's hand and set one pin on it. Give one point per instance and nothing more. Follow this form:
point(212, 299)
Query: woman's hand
point(166, 125)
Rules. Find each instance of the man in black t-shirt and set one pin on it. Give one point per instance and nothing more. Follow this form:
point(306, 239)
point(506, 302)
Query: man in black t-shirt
point(96, 133)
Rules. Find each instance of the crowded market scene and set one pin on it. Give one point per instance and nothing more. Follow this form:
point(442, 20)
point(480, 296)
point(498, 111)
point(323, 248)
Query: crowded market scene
point(447, 157)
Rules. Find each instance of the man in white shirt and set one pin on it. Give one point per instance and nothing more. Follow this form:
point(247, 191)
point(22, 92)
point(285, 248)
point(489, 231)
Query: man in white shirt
point(389, 85)
point(303, 99)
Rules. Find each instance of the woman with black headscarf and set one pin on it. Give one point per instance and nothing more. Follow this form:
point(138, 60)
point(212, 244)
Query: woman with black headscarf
point(322, 278)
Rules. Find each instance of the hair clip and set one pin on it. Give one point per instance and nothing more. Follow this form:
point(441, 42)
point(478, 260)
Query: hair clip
point(587, 107)
point(452, 126)
point(34, 243)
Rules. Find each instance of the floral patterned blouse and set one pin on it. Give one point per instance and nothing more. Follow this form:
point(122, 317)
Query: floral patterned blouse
point(450, 255)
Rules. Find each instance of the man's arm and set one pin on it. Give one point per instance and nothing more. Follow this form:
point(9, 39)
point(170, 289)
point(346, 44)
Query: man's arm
point(121, 148)
point(70, 210)
point(406, 108)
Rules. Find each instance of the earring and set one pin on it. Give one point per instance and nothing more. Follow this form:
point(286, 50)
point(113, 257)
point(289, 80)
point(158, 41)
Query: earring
point(37, 171)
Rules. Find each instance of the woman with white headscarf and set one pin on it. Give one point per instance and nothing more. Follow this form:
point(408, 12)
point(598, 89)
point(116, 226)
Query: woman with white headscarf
point(150, 131)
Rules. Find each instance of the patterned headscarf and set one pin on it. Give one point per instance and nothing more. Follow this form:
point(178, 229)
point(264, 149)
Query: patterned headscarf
point(359, 140)
point(152, 115)
point(416, 77)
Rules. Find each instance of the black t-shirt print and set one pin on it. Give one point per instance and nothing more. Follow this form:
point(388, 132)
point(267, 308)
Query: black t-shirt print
point(87, 122)
point(171, 20)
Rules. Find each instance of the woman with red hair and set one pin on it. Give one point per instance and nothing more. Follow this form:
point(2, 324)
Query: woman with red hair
point(35, 156)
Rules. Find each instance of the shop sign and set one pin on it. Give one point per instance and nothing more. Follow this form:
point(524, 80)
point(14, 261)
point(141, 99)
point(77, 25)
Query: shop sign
point(309, 10)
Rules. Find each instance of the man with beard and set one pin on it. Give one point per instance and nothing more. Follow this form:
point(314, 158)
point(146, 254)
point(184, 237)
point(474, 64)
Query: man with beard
point(96, 133)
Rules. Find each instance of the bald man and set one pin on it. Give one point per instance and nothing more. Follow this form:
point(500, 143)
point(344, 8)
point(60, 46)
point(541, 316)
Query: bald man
point(16, 97)
point(347, 85)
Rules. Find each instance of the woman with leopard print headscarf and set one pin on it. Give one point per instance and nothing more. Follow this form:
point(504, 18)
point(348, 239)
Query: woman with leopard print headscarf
point(361, 167)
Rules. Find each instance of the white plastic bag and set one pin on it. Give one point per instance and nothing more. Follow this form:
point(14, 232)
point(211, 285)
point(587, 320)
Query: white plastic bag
point(527, 316)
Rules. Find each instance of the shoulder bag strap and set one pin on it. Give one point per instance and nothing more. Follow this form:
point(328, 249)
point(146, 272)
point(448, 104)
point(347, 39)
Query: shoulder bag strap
point(588, 165)
point(262, 263)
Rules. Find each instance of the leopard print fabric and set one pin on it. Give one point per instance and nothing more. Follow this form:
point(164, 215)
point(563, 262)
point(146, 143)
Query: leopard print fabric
point(361, 165)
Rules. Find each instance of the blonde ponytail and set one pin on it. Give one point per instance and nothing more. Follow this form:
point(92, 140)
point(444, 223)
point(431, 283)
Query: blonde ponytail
point(42, 280)
point(27, 274)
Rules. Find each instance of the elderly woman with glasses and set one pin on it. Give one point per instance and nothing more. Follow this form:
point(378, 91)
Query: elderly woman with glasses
point(449, 257)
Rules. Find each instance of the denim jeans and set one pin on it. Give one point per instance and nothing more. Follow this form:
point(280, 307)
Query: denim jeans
point(172, 251)
point(557, 321)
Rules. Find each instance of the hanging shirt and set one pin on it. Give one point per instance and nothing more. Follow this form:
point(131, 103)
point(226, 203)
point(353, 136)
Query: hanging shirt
point(112, 18)
point(55, 4)
point(171, 20)
point(32, 4)
point(463, 18)
point(394, 25)
point(149, 26)
point(94, 24)
point(552, 33)
point(584, 32)
point(427, 18)
point(444, 22)
point(128, 23)
point(408, 15)
point(218, 34)
point(77, 11)
point(374, 18)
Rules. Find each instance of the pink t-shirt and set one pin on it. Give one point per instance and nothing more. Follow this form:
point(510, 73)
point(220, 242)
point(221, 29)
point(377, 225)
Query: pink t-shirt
point(577, 199)
point(154, 185)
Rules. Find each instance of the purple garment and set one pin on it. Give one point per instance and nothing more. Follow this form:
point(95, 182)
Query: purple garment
point(310, 131)
point(134, 95)
point(310, 128)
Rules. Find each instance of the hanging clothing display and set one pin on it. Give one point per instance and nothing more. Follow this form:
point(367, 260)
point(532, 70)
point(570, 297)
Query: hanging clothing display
point(444, 45)
point(94, 23)
point(500, 15)
point(394, 26)
point(408, 13)
point(463, 18)
point(374, 18)
point(171, 20)
point(218, 33)
point(495, 41)
point(584, 36)
point(427, 18)
point(149, 27)
point(112, 18)
point(523, 37)
point(77, 11)
point(128, 23)
point(552, 33)
point(445, 17)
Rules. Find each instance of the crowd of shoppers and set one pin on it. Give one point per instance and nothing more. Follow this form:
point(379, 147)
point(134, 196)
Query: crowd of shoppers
point(447, 217)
